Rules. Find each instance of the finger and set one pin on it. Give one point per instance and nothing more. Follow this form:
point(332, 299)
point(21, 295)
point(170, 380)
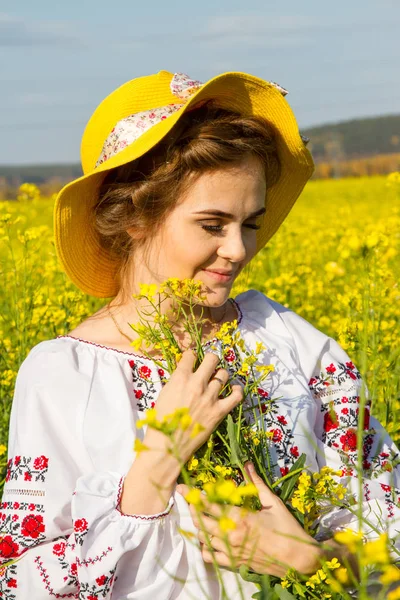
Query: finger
point(254, 477)
point(220, 557)
point(218, 381)
point(216, 511)
point(266, 495)
point(187, 362)
point(211, 542)
point(182, 489)
point(206, 524)
point(208, 366)
point(225, 405)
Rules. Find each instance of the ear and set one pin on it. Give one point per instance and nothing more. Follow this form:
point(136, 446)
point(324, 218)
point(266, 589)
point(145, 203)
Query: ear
point(135, 233)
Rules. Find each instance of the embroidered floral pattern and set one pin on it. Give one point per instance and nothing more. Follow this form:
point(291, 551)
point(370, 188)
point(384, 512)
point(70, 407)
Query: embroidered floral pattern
point(100, 589)
point(80, 530)
point(47, 584)
point(26, 532)
point(145, 389)
point(26, 468)
point(338, 385)
point(8, 582)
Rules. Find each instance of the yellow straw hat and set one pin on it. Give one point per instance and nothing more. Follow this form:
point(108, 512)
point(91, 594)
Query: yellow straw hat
point(133, 119)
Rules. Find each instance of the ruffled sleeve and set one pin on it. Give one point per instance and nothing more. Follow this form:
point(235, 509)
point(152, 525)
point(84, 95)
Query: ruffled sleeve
point(337, 387)
point(60, 516)
point(317, 363)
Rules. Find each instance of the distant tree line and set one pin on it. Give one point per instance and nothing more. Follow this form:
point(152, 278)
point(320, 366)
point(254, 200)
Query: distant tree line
point(358, 147)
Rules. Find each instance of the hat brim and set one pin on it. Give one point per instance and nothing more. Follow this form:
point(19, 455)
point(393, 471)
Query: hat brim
point(88, 264)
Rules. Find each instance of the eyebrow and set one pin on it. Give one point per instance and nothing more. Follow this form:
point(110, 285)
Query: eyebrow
point(221, 213)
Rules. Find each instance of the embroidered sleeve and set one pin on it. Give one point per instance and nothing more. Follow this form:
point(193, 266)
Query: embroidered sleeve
point(337, 386)
point(62, 533)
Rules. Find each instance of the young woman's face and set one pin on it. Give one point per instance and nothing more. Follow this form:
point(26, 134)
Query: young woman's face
point(195, 240)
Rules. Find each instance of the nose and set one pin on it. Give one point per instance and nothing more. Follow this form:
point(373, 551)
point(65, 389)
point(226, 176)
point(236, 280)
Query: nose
point(233, 247)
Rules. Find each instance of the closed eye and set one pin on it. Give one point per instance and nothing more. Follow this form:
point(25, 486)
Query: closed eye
point(218, 228)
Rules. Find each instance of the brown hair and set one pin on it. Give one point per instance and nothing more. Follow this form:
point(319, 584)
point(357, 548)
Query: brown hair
point(140, 194)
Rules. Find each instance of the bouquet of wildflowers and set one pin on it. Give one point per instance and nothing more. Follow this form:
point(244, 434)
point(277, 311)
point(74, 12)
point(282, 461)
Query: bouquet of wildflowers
point(216, 471)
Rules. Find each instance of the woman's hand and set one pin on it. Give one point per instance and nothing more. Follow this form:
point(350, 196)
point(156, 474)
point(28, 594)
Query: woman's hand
point(268, 541)
point(197, 391)
point(154, 471)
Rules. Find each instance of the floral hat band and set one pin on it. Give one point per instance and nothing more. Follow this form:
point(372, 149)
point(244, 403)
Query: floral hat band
point(129, 129)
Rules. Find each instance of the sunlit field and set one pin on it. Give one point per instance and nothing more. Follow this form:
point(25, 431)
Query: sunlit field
point(335, 261)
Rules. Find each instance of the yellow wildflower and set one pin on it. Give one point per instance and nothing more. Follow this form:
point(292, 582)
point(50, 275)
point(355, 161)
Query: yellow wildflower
point(195, 497)
point(136, 344)
point(150, 419)
point(376, 551)
point(3, 449)
point(197, 428)
point(192, 464)
point(390, 574)
point(333, 564)
point(140, 447)
point(226, 524)
point(342, 575)
point(394, 594)
point(349, 538)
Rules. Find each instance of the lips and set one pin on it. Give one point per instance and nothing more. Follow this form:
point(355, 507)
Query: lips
point(219, 276)
point(220, 271)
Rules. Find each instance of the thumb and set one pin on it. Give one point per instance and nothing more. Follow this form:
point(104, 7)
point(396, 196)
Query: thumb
point(264, 492)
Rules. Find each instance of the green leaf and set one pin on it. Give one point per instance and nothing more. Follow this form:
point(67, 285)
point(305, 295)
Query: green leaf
point(238, 457)
point(299, 590)
point(248, 575)
point(289, 484)
point(282, 593)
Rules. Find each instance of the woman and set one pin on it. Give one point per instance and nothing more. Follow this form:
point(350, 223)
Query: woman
point(187, 180)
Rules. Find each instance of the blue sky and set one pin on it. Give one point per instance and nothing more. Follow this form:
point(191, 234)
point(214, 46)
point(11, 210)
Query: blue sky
point(58, 60)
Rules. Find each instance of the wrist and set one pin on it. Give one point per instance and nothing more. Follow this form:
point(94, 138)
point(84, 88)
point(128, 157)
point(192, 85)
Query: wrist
point(157, 463)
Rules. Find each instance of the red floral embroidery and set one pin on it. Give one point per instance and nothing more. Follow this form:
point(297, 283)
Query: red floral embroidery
point(230, 356)
point(21, 466)
point(144, 372)
point(80, 525)
point(40, 463)
point(277, 435)
point(59, 549)
point(282, 420)
point(330, 421)
point(294, 451)
point(32, 526)
point(349, 440)
point(8, 582)
point(8, 548)
point(100, 589)
point(80, 530)
point(330, 369)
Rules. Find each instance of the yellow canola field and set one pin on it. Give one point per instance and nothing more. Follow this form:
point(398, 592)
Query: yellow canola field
point(335, 261)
